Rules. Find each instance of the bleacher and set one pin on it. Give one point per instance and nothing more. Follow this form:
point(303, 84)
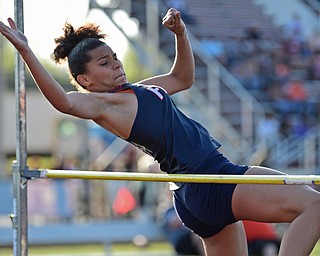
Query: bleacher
point(224, 19)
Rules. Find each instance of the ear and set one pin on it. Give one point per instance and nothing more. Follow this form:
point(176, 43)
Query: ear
point(83, 80)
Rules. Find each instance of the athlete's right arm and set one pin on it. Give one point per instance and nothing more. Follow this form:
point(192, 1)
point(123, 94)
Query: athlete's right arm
point(182, 73)
point(78, 104)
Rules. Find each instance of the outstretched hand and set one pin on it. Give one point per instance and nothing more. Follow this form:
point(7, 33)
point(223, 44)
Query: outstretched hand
point(172, 20)
point(14, 35)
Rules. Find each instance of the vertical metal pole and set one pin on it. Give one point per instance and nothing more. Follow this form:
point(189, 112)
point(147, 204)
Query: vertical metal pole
point(20, 217)
point(152, 18)
point(2, 91)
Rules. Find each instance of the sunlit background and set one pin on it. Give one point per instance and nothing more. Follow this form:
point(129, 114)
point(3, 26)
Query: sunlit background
point(43, 21)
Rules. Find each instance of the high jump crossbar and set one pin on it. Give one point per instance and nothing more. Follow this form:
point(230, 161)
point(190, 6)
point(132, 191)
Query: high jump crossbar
point(163, 177)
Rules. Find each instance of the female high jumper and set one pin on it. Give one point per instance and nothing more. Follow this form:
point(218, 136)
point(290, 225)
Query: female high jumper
point(145, 115)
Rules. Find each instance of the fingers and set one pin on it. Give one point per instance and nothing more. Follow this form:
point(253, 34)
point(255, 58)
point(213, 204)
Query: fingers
point(171, 18)
point(12, 23)
point(173, 21)
point(2, 24)
point(3, 28)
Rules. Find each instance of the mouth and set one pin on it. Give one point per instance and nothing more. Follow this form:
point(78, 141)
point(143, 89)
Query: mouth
point(119, 76)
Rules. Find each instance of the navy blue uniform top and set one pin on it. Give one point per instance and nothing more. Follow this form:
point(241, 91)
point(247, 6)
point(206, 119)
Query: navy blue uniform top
point(182, 145)
point(160, 129)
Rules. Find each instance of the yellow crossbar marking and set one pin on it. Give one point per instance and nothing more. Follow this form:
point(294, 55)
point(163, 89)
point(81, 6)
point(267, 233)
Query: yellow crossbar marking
point(194, 178)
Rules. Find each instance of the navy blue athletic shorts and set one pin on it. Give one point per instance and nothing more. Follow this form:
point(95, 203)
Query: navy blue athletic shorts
point(206, 208)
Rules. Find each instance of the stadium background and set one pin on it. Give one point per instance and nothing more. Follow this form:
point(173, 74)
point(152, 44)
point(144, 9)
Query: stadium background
point(257, 90)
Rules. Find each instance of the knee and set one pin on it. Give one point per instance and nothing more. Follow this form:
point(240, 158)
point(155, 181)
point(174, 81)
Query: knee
point(312, 210)
point(309, 209)
point(315, 207)
point(313, 215)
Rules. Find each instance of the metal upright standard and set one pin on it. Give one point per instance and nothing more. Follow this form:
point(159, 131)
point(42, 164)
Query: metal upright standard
point(19, 216)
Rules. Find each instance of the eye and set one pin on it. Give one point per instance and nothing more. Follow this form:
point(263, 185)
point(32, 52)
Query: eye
point(104, 63)
point(115, 57)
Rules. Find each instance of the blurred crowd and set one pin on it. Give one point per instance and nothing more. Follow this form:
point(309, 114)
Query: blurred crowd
point(283, 74)
point(65, 200)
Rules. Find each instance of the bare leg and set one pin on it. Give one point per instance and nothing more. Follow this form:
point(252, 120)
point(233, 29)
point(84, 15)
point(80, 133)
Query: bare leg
point(231, 241)
point(297, 204)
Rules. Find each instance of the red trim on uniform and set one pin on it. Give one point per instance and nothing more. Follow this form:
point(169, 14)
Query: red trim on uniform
point(121, 88)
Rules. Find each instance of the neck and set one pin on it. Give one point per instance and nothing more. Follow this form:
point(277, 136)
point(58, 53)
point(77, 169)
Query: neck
point(119, 88)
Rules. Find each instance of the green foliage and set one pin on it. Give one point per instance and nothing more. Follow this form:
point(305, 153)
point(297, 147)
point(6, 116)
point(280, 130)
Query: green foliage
point(8, 64)
point(163, 248)
point(133, 67)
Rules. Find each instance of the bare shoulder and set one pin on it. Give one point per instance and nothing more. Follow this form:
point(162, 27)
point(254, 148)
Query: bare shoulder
point(111, 104)
point(103, 98)
point(117, 112)
point(95, 105)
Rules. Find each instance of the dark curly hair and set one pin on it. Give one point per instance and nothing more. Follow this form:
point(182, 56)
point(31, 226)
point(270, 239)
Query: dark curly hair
point(74, 46)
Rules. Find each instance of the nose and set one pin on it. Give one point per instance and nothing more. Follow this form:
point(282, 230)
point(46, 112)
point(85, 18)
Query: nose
point(116, 64)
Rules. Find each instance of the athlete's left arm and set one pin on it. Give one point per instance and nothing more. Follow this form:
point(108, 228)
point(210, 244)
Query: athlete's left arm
point(181, 75)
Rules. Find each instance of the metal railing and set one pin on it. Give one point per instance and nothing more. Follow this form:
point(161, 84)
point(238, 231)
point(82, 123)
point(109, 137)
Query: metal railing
point(298, 154)
point(239, 143)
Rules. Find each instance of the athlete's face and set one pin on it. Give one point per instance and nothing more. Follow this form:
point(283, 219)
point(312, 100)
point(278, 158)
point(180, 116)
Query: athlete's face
point(104, 71)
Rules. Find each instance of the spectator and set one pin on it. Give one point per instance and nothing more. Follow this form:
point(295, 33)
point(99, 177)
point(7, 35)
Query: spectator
point(294, 37)
point(182, 239)
point(262, 238)
point(253, 32)
point(294, 29)
point(314, 40)
point(268, 130)
point(297, 95)
point(315, 65)
point(148, 192)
